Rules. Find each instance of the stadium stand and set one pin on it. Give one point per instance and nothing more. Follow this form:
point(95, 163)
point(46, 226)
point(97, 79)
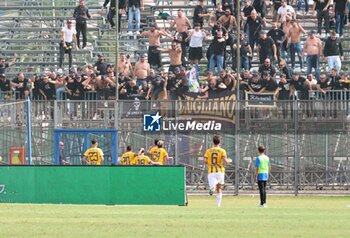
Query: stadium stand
point(31, 29)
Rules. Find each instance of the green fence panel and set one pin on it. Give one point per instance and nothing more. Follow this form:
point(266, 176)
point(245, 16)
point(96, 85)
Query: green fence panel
point(93, 185)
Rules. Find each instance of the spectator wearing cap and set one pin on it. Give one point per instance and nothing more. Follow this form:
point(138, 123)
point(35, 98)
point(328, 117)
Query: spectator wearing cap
point(278, 36)
point(253, 27)
point(5, 87)
point(47, 88)
point(266, 48)
point(4, 65)
point(124, 65)
point(68, 37)
point(154, 42)
point(141, 70)
point(333, 51)
point(158, 87)
point(285, 10)
point(322, 12)
point(100, 66)
point(196, 38)
point(81, 15)
point(339, 8)
point(301, 85)
point(134, 11)
point(200, 13)
point(217, 51)
point(175, 53)
point(178, 84)
point(182, 23)
point(245, 51)
point(313, 50)
point(294, 40)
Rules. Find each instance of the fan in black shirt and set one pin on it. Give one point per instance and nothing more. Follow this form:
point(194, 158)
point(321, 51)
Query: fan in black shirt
point(256, 84)
point(200, 12)
point(267, 68)
point(301, 85)
point(270, 83)
point(5, 87)
point(266, 48)
point(21, 85)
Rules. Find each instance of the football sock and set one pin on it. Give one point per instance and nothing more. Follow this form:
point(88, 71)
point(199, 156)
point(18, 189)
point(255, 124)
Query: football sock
point(219, 198)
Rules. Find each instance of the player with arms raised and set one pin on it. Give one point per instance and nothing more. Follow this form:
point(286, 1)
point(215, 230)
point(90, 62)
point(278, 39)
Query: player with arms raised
point(128, 157)
point(94, 155)
point(142, 159)
point(214, 158)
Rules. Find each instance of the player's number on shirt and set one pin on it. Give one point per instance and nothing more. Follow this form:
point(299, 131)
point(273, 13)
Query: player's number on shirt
point(214, 158)
point(93, 157)
point(126, 160)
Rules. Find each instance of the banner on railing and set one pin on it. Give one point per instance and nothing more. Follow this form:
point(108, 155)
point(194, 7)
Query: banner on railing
point(219, 107)
point(261, 100)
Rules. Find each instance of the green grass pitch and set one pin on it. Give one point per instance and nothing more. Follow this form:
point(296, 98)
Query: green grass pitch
point(238, 217)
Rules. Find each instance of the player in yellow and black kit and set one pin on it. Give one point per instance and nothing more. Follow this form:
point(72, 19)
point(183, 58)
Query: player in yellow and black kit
point(152, 149)
point(142, 159)
point(94, 155)
point(159, 154)
point(128, 157)
point(215, 158)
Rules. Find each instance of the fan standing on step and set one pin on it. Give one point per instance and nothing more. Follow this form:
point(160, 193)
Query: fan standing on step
point(68, 35)
point(81, 14)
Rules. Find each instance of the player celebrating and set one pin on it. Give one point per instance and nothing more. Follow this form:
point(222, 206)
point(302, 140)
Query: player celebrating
point(159, 153)
point(263, 168)
point(127, 157)
point(142, 159)
point(152, 149)
point(214, 158)
point(94, 154)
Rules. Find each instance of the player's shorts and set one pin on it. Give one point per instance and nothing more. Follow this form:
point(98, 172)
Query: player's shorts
point(216, 178)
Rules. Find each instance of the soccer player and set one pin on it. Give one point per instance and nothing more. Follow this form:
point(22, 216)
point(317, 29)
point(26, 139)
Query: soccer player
point(152, 148)
point(94, 155)
point(214, 158)
point(159, 153)
point(142, 159)
point(128, 157)
point(262, 164)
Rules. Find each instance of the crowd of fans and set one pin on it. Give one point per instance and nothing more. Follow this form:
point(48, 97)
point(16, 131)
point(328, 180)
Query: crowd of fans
point(270, 40)
point(270, 37)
